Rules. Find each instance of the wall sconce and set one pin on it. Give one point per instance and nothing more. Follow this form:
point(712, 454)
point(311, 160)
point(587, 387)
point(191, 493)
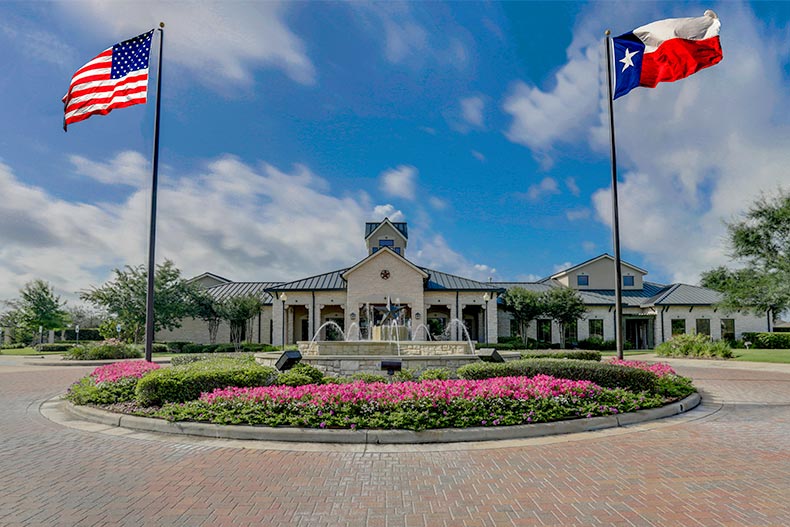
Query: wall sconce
point(417, 316)
point(353, 316)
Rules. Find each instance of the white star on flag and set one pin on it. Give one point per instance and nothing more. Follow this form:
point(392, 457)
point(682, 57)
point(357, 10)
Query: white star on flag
point(627, 59)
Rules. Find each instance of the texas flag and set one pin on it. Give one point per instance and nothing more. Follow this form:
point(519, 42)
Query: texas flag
point(665, 51)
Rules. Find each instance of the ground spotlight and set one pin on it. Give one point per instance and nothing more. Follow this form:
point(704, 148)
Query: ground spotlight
point(288, 360)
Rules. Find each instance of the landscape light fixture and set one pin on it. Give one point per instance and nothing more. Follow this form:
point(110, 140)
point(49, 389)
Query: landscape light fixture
point(283, 298)
point(288, 360)
point(489, 355)
point(391, 366)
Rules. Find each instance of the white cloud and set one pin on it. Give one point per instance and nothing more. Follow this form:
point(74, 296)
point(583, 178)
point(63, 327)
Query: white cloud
point(36, 43)
point(546, 187)
point(479, 156)
point(434, 252)
point(428, 130)
point(528, 277)
point(577, 214)
point(437, 203)
point(407, 39)
point(399, 182)
point(387, 211)
point(589, 247)
point(126, 168)
point(217, 42)
point(472, 110)
point(572, 186)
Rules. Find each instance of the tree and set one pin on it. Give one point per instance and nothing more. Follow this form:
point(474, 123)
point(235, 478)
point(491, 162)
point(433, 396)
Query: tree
point(125, 296)
point(564, 306)
point(208, 309)
point(86, 316)
point(37, 307)
point(239, 312)
point(760, 242)
point(525, 306)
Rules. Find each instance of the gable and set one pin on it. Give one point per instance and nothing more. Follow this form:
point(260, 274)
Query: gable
point(598, 273)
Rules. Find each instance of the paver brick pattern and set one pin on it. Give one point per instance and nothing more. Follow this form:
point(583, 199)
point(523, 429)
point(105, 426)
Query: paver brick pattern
point(730, 468)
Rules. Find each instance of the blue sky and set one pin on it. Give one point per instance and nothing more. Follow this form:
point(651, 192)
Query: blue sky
point(286, 126)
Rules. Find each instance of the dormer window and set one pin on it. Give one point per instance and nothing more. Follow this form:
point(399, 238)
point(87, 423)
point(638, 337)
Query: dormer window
point(582, 279)
point(628, 281)
point(386, 243)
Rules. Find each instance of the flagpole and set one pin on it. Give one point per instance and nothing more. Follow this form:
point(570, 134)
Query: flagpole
point(149, 297)
point(618, 278)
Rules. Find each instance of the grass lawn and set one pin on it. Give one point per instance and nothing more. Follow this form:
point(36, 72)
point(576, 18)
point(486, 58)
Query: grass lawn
point(760, 355)
point(625, 353)
point(28, 351)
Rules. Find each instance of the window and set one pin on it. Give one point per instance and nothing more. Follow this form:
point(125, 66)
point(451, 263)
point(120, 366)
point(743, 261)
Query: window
point(628, 281)
point(727, 329)
point(544, 330)
point(572, 333)
point(582, 279)
point(678, 326)
point(596, 328)
point(386, 243)
point(375, 249)
point(703, 326)
point(397, 250)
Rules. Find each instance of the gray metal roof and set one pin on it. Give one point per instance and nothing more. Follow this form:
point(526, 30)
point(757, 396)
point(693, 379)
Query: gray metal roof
point(320, 282)
point(439, 281)
point(225, 291)
point(686, 295)
point(596, 297)
point(399, 225)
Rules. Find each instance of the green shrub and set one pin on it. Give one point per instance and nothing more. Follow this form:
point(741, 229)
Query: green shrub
point(188, 347)
point(17, 346)
point(85, 391)
point(331, 379)
point(58, 346)
point(108, 349)
point(435, 374)
point(185, 383)
point(369, 377)
point(316, 376)
point(404, 375)
point(694, 346)
point(674, 387)
point(176, 346)
point(768, 340)
point(86, 334)
point(563, 354)
point(602, 374)
point(178, 360)
point(293, 378)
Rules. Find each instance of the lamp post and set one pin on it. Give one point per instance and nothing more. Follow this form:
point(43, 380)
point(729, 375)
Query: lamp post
point(118, 330)
point(486, 298)
point(77, 331)
point(40, 336)
point(283, 298)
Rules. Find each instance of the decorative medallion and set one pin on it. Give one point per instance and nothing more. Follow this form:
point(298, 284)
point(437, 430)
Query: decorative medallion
point(385, 275)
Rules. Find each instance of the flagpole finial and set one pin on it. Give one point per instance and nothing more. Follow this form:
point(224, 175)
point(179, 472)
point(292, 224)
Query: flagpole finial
point(162, 25)
point(607, 32)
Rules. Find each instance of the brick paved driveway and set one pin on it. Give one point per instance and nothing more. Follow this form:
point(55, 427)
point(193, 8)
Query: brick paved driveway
point(729, 467)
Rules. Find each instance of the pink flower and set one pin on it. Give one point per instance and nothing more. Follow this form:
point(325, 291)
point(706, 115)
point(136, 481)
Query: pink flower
point(122, 370)
point(659, 368)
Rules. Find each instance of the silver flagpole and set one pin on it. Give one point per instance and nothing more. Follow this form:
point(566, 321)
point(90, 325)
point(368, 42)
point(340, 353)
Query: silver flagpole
point(149, 298)
point(618, 278)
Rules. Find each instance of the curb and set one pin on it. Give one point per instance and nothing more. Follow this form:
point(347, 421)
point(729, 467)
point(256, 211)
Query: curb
point(379, 437)
point(61, 362)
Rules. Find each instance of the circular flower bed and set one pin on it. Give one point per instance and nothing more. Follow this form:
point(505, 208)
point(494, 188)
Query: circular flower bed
point(411, 405)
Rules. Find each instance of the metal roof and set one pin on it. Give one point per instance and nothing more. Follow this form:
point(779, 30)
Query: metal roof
point(400, 226)
point(687, 295)
point(439, 281)
point(327, 281)
point(596, 297)
point(225, 291)
point(591, 260)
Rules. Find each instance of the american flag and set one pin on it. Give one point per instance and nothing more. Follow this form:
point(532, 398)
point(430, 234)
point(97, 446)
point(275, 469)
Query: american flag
point(116, 78)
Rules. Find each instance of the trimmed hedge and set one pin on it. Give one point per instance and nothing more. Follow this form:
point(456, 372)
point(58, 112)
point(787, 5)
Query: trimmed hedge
point(185, 358)
point(86, 334)
point(58, 346)
point(563, 354)
point(103, 351)
point(188, 347)
point(602, 374)
point(770, 341)
point(17, 346)
point(179, 384)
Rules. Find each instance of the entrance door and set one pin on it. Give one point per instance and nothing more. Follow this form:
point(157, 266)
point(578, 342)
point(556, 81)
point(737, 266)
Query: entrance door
point(638, 332)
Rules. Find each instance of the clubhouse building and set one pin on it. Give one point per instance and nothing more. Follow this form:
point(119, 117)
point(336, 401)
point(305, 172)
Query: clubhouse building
point(385, 288)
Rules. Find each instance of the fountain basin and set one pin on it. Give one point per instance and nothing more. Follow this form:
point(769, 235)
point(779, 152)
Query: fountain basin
point(347, 365)
point(384, 348)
